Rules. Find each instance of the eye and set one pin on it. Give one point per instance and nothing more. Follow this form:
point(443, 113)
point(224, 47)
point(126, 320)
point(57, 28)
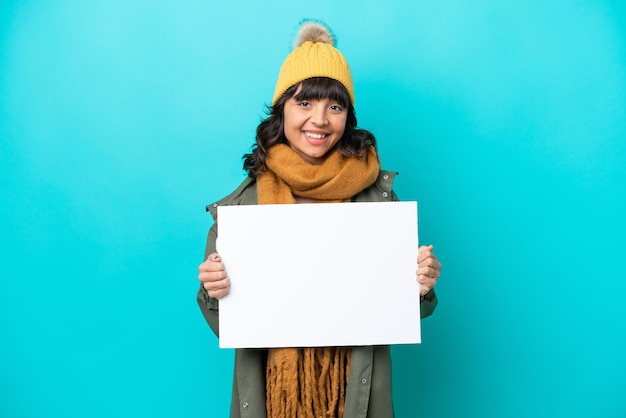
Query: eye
point(304, 103)
point(336, 108)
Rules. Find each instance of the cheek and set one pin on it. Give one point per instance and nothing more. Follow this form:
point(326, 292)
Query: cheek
point(340, 127)
point(292, 122)
point(288, 126)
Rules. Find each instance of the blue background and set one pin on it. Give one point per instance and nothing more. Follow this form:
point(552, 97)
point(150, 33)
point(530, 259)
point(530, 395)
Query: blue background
point(120, 120)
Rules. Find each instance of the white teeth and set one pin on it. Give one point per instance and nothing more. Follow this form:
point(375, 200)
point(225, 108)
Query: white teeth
point(314, 136)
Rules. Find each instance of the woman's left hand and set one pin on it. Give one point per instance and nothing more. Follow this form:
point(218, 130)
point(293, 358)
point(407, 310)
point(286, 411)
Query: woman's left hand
point(428, 268)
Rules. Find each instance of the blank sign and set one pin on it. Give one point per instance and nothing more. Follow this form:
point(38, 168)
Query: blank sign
point(308, 275)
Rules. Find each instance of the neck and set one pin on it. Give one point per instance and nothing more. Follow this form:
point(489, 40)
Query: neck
point(304, 199)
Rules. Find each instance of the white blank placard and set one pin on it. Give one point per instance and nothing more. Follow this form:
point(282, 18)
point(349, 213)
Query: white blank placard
point(309, 275)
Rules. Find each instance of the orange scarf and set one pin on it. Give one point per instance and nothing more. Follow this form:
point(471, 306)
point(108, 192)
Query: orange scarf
point(337, 179)
point(310, 382)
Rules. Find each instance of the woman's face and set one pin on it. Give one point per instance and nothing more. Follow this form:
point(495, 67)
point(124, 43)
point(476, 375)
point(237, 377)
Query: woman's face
point(313, 127)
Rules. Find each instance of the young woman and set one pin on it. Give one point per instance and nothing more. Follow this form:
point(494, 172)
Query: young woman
point(310, 150)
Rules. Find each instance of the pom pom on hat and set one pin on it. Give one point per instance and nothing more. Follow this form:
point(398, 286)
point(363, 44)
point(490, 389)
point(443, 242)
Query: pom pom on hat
point(314, 55)
point(313, 31)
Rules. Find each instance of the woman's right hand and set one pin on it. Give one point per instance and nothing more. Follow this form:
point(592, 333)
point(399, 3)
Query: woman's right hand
point(213, 277)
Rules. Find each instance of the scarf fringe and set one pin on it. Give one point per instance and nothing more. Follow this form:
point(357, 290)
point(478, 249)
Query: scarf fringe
point(307, 382)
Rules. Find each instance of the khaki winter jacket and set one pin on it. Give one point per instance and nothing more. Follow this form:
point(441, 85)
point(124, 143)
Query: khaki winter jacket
point(368, 393)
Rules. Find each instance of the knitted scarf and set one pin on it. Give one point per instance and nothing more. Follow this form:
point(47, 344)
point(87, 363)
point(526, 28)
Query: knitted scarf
point(310, 382)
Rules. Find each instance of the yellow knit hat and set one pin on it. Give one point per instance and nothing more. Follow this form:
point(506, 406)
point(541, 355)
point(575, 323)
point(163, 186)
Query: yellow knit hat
point(314, 55)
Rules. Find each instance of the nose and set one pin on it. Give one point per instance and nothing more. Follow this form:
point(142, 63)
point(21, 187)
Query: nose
point(319, 115)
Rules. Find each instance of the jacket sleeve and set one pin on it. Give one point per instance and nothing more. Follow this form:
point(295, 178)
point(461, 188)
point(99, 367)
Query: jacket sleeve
point(428, 304)
point(208, 305)
point(245, 194)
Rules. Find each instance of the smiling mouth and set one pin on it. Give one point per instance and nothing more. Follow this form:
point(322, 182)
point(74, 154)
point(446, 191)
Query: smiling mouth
point(315, 136)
